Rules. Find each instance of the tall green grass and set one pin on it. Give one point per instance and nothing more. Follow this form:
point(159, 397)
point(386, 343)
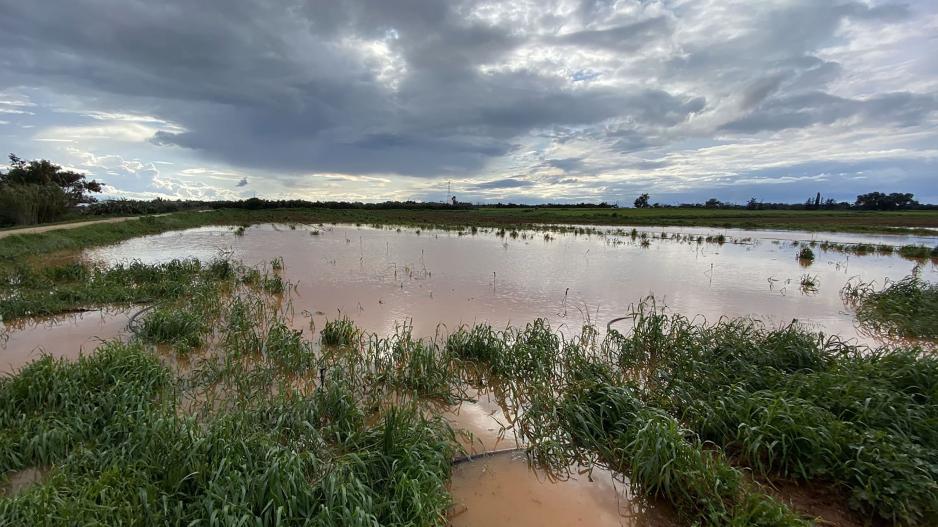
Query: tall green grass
point(790, 403)
point(340, 332)
point(29, 291)
point(233, 442)
point(907, 308)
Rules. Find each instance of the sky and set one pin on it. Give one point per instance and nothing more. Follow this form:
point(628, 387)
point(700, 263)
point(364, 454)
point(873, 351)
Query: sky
point(523, 101)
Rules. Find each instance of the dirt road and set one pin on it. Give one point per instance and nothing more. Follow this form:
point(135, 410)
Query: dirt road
point(75, 225)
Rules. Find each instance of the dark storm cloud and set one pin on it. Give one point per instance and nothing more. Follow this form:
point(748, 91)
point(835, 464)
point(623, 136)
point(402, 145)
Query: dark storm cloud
point(567, 165)
point(272, 86)
point(427, 88)
point(502, 183)
point(797, 111)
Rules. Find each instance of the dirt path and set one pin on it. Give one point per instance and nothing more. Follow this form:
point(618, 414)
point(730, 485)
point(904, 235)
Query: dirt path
point(75, 225)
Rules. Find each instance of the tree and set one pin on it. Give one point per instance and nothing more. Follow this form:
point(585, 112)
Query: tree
point(641, 202)
point(752, 204)
point(712, 203)
point(40, 191)
point(881, 201)
point(43, 172)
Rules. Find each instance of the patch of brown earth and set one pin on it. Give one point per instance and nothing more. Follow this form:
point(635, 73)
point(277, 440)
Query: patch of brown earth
point(19, 480)
point(821, 501)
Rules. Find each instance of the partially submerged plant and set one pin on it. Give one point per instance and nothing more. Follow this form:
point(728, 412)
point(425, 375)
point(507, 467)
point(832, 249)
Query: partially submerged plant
point(809, 283)
point(806, 254)
point(340, 332)
point(906, 308)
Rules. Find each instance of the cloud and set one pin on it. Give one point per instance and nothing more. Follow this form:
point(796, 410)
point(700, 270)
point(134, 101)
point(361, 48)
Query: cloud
point(626, 37)
point(243, 182)
point(502, 184)
point(569, 164)
point(313, 96)
point(802, 110)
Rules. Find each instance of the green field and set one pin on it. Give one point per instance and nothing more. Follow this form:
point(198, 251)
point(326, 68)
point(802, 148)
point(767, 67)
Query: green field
point(13, 247)
point(844, 221)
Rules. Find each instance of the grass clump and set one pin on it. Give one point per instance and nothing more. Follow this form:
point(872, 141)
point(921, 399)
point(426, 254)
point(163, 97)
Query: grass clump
point(660, 457)
point(53, 407)
point(809, 283)
point(129, 443)
point(806, 254)
point(917, 251)
point(182, 329)
point(906, 308)
point(340, 332)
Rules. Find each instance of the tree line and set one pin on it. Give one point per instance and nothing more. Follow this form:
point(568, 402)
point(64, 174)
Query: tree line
point(868, 201)
point(40, 191)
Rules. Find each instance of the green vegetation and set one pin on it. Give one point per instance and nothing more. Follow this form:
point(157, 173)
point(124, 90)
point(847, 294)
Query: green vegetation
point(910, 222)
point(653, 449)
point(39, 192)
point(340, 332)
point(235, 440)
point(788, 403)
point(907, 308)
point(184, 330)
point(60, 288)
point(806, 254)
point(262, 426)
point(681, 406)
point(918, 251)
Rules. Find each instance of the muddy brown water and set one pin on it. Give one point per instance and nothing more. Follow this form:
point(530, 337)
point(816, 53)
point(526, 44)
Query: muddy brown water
point(66, 336)
point(505, 490)
point(438, 280)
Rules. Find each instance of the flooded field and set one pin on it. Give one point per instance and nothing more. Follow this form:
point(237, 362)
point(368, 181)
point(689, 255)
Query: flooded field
point(62, 336)
point(437, 281)
point(383, 277)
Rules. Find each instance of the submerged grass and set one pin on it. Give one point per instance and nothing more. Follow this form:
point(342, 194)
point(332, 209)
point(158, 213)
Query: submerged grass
point(234, 442)
point(340, 332)
point(907, 308)
point(790, 403)
point(660, 457)
point(264, 427)
point(29, 291)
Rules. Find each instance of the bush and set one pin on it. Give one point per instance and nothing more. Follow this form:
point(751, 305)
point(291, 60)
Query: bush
point(31, 204)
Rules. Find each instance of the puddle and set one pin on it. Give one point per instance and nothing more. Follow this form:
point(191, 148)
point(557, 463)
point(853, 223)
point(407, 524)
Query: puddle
point(19, 480)
point(65, 336)
point(382, 277)
point(484, 421)
point(503, 490)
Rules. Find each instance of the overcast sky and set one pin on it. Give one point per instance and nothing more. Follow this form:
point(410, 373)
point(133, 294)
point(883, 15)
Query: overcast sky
point(517, 100)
